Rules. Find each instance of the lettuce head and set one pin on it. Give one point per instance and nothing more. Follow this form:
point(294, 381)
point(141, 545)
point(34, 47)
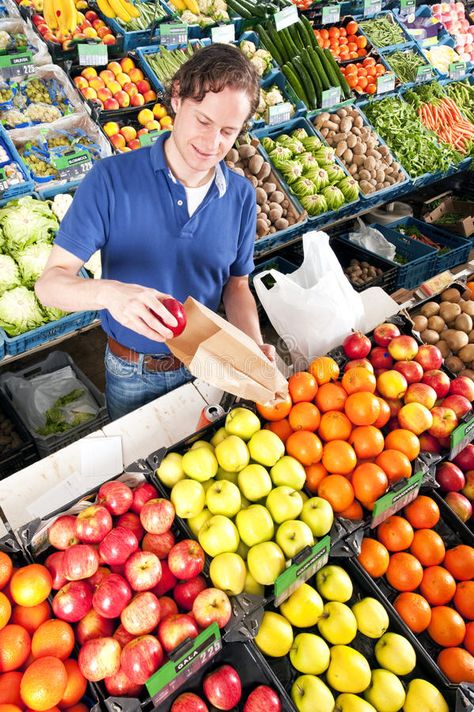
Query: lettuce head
point(26, 221)
point(9, 273)
point(20, 311)
point(32, 261)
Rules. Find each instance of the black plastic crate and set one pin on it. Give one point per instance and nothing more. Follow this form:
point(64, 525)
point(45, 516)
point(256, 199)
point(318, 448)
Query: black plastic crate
point(25, 454)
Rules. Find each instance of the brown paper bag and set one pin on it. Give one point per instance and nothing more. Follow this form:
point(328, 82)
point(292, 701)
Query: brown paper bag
point(223, 356)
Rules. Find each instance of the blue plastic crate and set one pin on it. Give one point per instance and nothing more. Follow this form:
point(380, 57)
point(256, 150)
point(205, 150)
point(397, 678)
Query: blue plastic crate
point(196, 32)
point(447, 41)
point(392, 18)
point(2, 347)
point(412, 47)
point(142, 53)
point(422, 42)
point(140, 38)
point(27, 186)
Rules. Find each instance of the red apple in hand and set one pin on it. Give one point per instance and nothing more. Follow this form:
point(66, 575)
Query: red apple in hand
point(212, 605)
point(117, 546)
point(93, 626)
point(157, 515)
point(79, 562)
point(186, 559)
point(93, 523)
point(62, 532)
point(143, 570)
point(120, 685)
point(223, 688)
point(460, 505)
point(99, 658)
point(174, 629)
point(116, 496)
point(73, 601)
point(54, 564)
point(130, 520)
point(462, 386)
point(384, 333)
point(189, 702)
point(177, 310)
point(141, 658)
point(356, 345)
point(111, 596)
point(159, 544)
point(412, 370)
point(449, 477)
point(185, 592)
point(142, 494)
point(263, 699)
point(142, 614)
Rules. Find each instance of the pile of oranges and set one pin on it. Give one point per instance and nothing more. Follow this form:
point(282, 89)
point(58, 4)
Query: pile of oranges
point(343, 42)
point(433, 586)
point(36, 670)
point(362, 76)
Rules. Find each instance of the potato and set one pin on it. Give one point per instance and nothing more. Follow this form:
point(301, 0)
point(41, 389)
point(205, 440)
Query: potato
point(341, 148)
point(463, 322)
point(451, 295)
point(429, 336)
point(456, 340)
point(471, 337)
point(420, 323)
point(469, 373)
point(261, 227)
point(449, 311)
point(430, 309)
point(261, 196)
point(468, 307)
point(466, 354)
point(256, 164)
point(454, 364)
point(444, 348)
point(436, 322)
point(247, 151)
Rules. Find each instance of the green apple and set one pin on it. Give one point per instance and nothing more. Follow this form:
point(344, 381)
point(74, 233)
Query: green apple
point(422, 695)
point(337, 623)
point(255, 525)
point(219, 535)
point(202, 443)
point(266, 448)
point(200, 464)
point(284, 503)
point(242, 422)
point(372, 618)
point(224, 475)
point(188, 498)
point(318, 515)
point(266, 562)
point(275, 635)
point(195, 523)
point(304, 607)
point(349, 670)
point(232, 454)
point(385, 692)
point(242, 550)
point(251, 586)
point(292, 536)
point(310, 694)
point(223, 497)
point(288, 471)
point(171, 470)
point(219, 436)
point(254, 482)
point(310, 654)
point(347, 702)
point(395, 653)
point(227, 572)
point(334, 583)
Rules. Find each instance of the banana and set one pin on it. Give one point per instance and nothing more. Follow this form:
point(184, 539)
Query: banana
point(178, 4)
point(119, 10)
point(50, 15)
point(130, 8)
point(193, 6)
point(65, 11)
point(104, 7)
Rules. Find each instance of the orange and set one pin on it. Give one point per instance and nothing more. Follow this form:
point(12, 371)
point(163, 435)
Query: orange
point(31, 585)
point(339, 457)
point(302, 386)
point(395, 533)
point(468, 641)
point(437, 585)
point(44, 683)
point(354, 511)
point(464, 599)
point(10, 688)
point(324, 368)
point(15, 647)
point(282, 428)
point(76, 684)
point(337, 490)
point(384, 415)
point(373, 557)
point(428, 547)
point(275, 410)
point(446, 627)
point(306, 447)
point(30, 617)
point(362, 408)
point(423, 512)
point(457, 664)
point(358, 380)
point(314, 475)
point(414, 610)
point(53, 637)
point(330, 396)
point(5, 610)
point(395, 464)
point(367, 441)
point(405, 441)
point(10, 708)
point(460, 562)
point(304, 416)
point(404, 572)
point(391, 383)
point(369, 482)
point(334, 425)
point(6, 569)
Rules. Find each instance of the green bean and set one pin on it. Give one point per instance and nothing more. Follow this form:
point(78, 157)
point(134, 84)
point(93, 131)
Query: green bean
point(382, 31)
point(405, 64)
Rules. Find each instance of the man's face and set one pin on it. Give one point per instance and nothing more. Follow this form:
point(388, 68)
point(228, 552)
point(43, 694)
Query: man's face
point(204, 132)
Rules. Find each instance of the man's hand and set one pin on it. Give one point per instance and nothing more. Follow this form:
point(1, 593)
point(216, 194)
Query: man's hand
point(133, 305)
point(269, 351)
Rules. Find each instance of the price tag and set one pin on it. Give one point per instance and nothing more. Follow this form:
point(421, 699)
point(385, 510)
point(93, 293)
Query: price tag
point(330, 97)
point(330, 14)
point(457, 70)
point(279, 113)
point(3, 181)
point(386, 82)
point(223, 33)
point(304, 565)
point(73, 164)
point(372, 7)
point(461, 436)
point(149, 138)
point(95, 54)
point(173, 674)
point(407, 9)
point(286, 17)
point(15, 65)
point(423, 74)
point(393, 501)
point(174, 33)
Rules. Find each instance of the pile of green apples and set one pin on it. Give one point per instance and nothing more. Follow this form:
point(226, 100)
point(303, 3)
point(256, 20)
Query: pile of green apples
point(242, 498)
point(322, 629)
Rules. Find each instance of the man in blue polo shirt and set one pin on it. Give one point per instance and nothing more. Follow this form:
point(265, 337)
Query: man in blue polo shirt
point(170, 220)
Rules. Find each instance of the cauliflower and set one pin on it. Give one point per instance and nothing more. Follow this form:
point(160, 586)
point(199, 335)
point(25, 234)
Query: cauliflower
point(247, 48)
point(262, 104)
point(206, 6)
point(205, 21)
point(260, 65)
point(221, 15)
point(274, 96)
point(189, 17)
point(220, 5)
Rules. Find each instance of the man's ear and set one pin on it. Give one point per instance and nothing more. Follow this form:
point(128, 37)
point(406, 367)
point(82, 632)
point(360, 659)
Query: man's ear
point(175, 99)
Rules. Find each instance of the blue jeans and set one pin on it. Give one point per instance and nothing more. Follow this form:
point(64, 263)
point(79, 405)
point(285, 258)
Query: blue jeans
point(130, 385)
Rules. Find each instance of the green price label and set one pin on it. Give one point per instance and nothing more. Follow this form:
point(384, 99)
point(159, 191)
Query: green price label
point(372, 7)
point(279, 113)
point(14, 65)
point(330, 14)
point(423, 74)
point(407, 7)
point(223, 33)
point(457, 70)
point(95, 54)
point(286, 17)
point(177, 671)
point(150, 137)
point(330, 97)
point(393, 501)
point(304, 565)
point(461, 436)
point(385, 83)
point(72, 164)
point(173, 33)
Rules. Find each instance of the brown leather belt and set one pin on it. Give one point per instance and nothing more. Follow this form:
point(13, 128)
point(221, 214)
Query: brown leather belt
point(152, 363)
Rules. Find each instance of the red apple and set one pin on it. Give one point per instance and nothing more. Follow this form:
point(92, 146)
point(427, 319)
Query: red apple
point(91, 15)
point(142, 614)
point(101, 573)
point(143, 570)
point(111, 105)
point(384, 333)
point(177, 310)
point(462, 386)
point(429, 357)
point(116, 496)
point(223, 688)
point(168, 607)
point(111, 596)
point(141, 658)
point(438, 380)
point(421, 393)
point(175, 629)
point(93, 626)
point(79, 562)
point(186, 591)
point(73, 601)
point(54, 564)
point(120, 685)
point(359, 362)
point(157, 515)
point(189, 702)
point(468, 489)
point(459, 404)
point(429, 444)
point(444, 421)
point(403, 348)
point(412, 370)
point(130, 520)
point(117, 546)
point(167, 580)
point(380, 358)
point(460, 505)
point(123, 636)
point(62, 532)
point(159, 544)
point(356, 345)
point(186, 559)
point(449, 477)
point(465, 458)
point(212, 605)
point(263, 699)
point(142, 494)
point(93, 523)
point(99, 658)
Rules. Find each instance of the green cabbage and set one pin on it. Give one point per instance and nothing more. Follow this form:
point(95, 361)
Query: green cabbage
point(350, 189)
point(303, 186)
point(300, 134)
point(52, 313)
point(334, 197)
point(280, 155)
point(19, 311)
point(32, 261)
point(9, 273)
point(291, 170)
point(314, 204)
point(324, 155)
point(25, 221)
point(307, 160)
point(335, 173)
point(319, 177)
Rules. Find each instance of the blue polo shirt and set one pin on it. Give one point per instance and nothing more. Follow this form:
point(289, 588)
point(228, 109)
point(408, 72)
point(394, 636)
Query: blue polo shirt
point(133, 209)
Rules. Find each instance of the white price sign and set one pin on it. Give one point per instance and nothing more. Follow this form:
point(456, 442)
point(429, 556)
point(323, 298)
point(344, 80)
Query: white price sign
point(286, 17)
point(223, 33)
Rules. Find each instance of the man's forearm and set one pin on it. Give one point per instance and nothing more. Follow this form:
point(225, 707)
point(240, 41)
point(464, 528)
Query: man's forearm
point(58, 288)
point(241, 310)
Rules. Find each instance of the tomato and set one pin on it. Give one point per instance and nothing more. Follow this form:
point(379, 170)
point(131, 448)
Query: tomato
point(362, 83)
point(352, 27)
point(361, 52)
point(333, 32)
point(343, 40)
point(352, 46)
point(352, 81)
point(342, 32)
point(371, 71)
point(344, 56)
point(369, 61)
point(353, 55)
point(380, 69)
point(351, 67)
point(371, 88)
point(324, 34)
point(362, 72)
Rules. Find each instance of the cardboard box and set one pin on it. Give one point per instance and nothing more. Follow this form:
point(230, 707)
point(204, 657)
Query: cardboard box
point(462, 208)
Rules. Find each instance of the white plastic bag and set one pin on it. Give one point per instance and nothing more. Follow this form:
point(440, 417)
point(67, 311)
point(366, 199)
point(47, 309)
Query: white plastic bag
point(371, 239)
point(314, 308)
